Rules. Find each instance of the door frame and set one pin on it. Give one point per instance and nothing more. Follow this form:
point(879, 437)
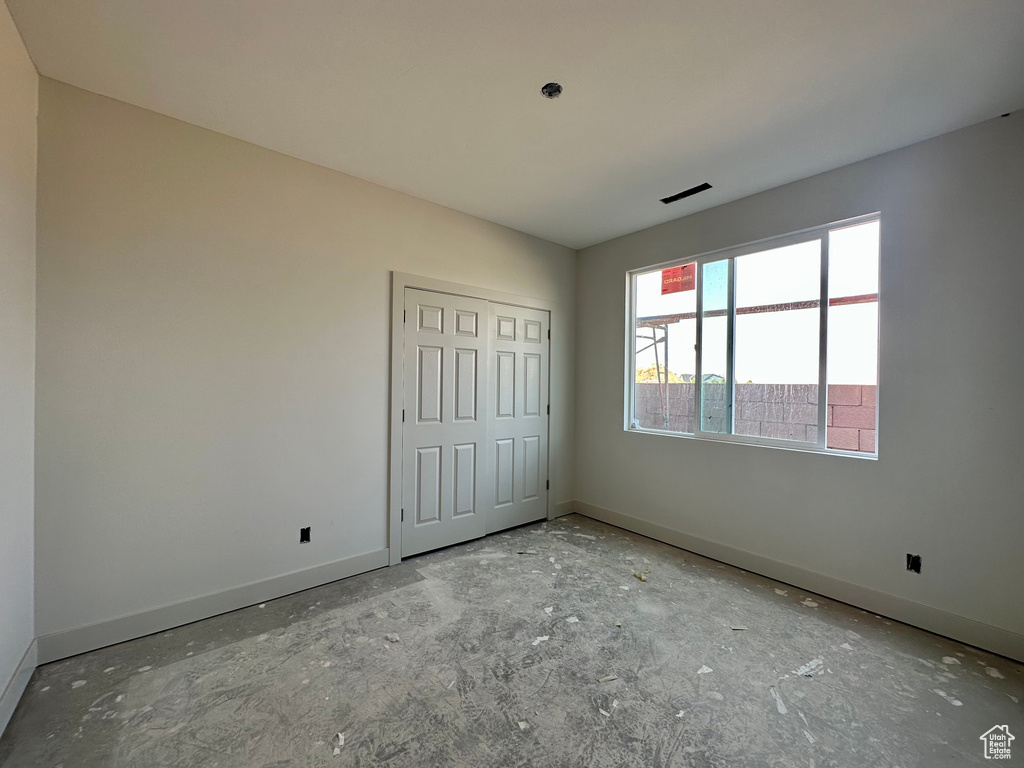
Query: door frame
point(399, 282)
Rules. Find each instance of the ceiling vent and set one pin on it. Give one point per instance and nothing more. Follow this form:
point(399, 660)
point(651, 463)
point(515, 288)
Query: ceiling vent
point(685, 193)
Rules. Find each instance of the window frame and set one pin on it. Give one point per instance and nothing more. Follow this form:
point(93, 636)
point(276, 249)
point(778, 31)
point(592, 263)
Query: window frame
point(820, 445)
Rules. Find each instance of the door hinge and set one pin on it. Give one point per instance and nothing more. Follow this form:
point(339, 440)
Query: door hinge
point(403, 315)
point(403, 515)
point(548, 486)
point(549, 334)
point(549, 409)
point(403, 415)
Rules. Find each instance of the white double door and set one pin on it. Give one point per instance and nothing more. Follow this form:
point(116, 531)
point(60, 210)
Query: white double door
point(475, 418)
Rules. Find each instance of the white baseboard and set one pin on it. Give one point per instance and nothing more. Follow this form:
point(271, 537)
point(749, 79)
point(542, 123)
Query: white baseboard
point(940, 622)
point(71, 642)
point(16, 685)
point(561, 510)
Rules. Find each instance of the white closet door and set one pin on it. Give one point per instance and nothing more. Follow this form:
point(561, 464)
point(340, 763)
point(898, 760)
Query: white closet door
point(517, 452)
point(444, 431)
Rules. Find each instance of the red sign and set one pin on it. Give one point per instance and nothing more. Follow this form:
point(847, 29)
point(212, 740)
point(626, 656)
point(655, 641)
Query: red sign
point(675, 279)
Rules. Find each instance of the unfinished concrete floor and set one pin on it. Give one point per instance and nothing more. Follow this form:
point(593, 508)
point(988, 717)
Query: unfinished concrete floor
point(506, 648)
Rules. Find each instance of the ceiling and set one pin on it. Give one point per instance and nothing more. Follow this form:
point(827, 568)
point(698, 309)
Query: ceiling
point(441, 99)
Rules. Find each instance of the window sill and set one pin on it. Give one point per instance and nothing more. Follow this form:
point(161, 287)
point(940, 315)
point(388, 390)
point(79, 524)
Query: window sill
point(756, 443)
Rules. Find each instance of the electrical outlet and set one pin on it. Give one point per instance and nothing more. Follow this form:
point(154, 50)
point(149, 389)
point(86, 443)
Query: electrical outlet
point(304, 536)
point(913, 563)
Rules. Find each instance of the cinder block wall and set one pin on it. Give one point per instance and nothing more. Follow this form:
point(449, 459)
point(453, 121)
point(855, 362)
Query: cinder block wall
point(787, 411)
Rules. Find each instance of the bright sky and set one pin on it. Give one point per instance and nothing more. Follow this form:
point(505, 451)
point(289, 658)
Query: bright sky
point(779, 347)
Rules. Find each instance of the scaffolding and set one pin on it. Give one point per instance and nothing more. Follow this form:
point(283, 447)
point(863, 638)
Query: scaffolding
point(655, 341)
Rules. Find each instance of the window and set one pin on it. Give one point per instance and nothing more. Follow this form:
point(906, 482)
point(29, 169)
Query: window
point(772, 343)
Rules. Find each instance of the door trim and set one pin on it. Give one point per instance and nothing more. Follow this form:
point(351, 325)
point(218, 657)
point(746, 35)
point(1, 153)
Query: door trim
point(399, 282)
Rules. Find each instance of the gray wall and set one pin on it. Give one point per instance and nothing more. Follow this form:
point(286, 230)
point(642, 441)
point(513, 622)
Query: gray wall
point(18, 100)
point(952, 335)
point(213, 355)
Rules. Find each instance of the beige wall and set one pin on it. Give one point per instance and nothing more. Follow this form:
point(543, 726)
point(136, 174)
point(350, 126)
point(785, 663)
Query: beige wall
point(213, 355)
point(18, 101)
point(952, 335)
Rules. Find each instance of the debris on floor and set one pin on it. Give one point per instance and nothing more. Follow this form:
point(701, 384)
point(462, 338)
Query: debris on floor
point(607, 678)
point(572, 620)
point(704, 670)
point(618, 622)
point(811, 668)
point(779, 703)
point(809, 603)
point(338, 741)
point(947, 697)
point(392, 638)
point(549, 609)
point(680, 713)
point(737, 627)
point(606, 714)
point(523, 725)
point(641, 576)
point(541, 638)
